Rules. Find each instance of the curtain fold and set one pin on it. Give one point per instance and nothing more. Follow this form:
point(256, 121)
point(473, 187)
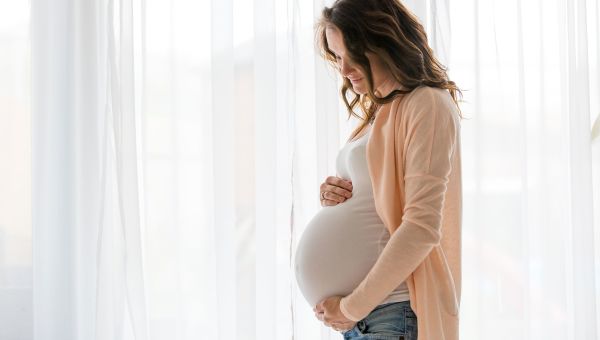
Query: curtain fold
point(52, 170)
point(88, 266)
point(581, 271)
point(120, 294)
point(221, 180)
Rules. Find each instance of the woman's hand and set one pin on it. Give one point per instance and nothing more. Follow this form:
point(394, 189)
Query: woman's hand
point(328, 311)
point(335, 190)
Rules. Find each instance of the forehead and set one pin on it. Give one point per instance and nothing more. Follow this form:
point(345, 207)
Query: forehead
point(335, 39)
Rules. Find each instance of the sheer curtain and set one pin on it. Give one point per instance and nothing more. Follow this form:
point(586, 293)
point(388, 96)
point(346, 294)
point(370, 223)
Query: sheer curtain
point(530, 167)
point(177, 148)
point(88, 273)
point(15, 174)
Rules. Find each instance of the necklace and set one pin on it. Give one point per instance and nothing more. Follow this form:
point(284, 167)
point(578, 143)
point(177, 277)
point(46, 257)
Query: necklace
point(372, 118)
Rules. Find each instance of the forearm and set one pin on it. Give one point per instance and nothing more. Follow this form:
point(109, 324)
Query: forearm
point(406, 249)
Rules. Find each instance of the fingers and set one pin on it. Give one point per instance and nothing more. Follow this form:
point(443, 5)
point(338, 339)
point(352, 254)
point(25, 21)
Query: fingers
point(320, 316)
point(339, 182)
point(338, 326)
point(343, 327)
point(335, 190)
point(319, 312)
point(335, 197)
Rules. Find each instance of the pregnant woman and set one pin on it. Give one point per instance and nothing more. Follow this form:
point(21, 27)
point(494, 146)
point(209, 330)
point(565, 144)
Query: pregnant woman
point(381, 259)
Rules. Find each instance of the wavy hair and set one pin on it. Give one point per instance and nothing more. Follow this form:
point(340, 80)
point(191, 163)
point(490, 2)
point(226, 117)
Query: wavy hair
point(389, 30)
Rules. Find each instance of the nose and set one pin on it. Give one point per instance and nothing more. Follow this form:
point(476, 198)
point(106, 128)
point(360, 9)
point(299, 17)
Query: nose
point(345, 68)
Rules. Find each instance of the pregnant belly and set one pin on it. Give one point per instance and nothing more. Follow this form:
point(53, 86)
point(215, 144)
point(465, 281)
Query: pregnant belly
point(338, 248)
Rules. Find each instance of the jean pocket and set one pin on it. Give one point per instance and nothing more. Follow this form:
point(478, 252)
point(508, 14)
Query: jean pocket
point(410, 326)
point(386, 326)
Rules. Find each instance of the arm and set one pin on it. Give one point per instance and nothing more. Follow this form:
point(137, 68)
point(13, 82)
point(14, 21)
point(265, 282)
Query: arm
point(429, 144)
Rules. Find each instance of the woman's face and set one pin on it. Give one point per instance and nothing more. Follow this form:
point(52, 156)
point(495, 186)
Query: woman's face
point(356, 77)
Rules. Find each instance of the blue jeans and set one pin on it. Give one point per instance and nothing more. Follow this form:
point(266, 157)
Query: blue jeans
point(390, 321)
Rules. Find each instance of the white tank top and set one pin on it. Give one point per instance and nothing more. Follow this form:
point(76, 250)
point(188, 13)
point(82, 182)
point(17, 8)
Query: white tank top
point(341, 243)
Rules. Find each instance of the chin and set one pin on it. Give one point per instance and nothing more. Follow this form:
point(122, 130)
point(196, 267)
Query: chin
point(359, 90)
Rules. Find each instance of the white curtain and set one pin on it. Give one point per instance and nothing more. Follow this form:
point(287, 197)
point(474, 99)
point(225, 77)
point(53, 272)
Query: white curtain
point(177, 148)
point(531, 187)
point(15, 174)
point(88, 271)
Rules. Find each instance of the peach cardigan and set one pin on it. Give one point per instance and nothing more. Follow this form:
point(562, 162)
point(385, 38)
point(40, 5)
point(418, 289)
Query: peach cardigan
point(413, 156)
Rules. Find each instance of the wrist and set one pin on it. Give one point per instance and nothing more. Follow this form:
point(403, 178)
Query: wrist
point(345, 311)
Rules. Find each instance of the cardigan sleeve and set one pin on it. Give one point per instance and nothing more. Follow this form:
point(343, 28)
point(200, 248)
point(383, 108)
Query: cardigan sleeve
point(431, 133)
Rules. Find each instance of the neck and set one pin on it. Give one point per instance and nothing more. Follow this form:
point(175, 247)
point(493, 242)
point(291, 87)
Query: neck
point(387, 86)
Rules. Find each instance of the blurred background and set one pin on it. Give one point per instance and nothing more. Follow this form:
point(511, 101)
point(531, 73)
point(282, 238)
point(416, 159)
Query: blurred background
point(160, 159)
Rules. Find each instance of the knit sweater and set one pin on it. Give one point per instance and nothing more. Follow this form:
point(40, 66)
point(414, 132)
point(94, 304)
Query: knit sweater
point(413, 155)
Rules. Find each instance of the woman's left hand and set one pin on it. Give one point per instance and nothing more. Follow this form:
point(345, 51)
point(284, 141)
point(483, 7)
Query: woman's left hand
point(328, 311)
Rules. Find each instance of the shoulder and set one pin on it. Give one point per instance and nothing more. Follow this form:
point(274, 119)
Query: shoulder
point(424, 100)
point(423, 96)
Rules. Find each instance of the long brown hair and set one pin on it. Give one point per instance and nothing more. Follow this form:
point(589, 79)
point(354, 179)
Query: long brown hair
point(389, 30)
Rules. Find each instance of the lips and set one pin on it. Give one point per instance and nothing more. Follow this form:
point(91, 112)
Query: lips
point(354, 80)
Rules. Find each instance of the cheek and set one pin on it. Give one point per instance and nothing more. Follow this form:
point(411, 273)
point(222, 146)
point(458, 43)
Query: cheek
point(378, 71)
point(359, 87)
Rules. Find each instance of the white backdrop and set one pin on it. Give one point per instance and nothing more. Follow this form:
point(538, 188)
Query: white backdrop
point(160, 160)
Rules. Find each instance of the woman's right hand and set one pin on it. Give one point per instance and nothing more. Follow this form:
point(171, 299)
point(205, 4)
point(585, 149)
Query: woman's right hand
point(336, 190)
